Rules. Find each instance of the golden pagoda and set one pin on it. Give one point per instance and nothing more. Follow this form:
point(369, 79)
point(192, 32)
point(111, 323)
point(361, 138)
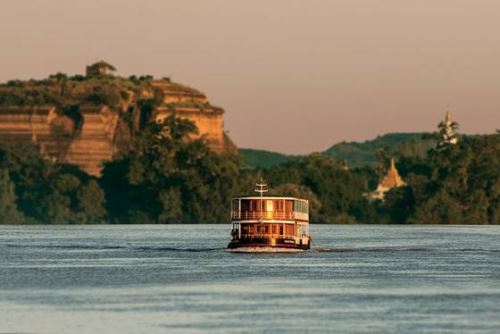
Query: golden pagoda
point(392, 179)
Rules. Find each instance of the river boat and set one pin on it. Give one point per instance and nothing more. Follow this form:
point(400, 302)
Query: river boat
point(269, 223)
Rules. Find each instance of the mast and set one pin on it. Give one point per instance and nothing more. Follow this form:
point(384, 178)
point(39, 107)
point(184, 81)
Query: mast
point(261, 188)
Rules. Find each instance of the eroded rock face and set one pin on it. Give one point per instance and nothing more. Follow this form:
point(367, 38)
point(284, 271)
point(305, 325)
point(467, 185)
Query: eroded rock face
point(95, 143)
point(39, 125)
point(108, 114)
point(58, 138)
point(193, 105)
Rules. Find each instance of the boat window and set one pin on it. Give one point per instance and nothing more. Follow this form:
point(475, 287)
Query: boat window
point(269, 206)
point(251, 229)
point(245, 229)
point(244, 206)
point(298, 206)
point(289, 229)
point(254, 205)
point(303, 206)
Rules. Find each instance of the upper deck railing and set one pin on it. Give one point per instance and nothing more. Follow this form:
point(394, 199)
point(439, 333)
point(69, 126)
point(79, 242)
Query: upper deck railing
point(269, 215)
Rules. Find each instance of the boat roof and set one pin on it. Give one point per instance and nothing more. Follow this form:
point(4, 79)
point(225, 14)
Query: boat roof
point(271, 197)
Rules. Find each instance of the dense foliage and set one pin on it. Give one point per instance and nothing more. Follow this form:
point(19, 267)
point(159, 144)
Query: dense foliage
point(169, 177)
point(355, 154)
point(263, 159)
point(339, 190)
point(34, 190)
point(365, 153)
point(457, 184)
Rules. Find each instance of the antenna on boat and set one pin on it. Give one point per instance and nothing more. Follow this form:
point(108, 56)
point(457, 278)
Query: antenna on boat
point(261, 188)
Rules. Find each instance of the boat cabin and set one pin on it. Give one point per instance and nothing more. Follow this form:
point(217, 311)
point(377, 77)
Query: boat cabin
point(269, 208)
point(270, 221)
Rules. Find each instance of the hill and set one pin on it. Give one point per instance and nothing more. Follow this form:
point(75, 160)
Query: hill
point(356, 154)
point(361, 154)
point(88, 120)
point(263, 159)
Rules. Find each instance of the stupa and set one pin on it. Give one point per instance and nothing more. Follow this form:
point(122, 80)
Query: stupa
point(392, 179)
point(448, 131)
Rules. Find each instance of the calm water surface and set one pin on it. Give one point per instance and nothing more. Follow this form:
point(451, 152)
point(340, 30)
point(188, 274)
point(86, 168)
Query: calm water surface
point(179, 279)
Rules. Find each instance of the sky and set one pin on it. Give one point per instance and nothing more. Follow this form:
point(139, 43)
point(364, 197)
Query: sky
point(293, 76)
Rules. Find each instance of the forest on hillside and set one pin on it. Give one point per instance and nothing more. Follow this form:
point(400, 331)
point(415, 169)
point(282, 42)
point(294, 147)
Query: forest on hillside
point(354, 154)
point(165, 178)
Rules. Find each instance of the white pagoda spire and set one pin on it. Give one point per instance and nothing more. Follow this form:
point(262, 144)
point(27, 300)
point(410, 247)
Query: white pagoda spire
point(448, 131)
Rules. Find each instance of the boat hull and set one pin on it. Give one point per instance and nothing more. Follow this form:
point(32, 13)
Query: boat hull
point(265, 249)
point(272, 245)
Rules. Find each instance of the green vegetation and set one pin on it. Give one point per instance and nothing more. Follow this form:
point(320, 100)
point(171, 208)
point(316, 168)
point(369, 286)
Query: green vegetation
point(8, 206)
point(355, 155)
point(34, 190)
point(105, 95)
point(164, 176)
point(263, 159)
point(24, 97)
point(134, 99)
point(339, 191)
point(167, 178)
point(455, 184)
point(365, 153)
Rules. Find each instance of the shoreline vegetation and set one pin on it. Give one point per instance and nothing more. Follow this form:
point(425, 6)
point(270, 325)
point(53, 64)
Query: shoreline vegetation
point(166, 178)
point(170, 175)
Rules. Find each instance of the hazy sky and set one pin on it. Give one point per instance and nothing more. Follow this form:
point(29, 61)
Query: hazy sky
point(293, 76)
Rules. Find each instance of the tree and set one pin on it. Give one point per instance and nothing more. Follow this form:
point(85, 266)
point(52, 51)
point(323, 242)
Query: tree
point(171, 206)
point(8, 208)
point(382, 158)
point(439, 209)
point(340, 191)
point(460, 183)
point(90, 200)
point(51, 193)
point(57, 206)
point(399, 204)
point(169, 176)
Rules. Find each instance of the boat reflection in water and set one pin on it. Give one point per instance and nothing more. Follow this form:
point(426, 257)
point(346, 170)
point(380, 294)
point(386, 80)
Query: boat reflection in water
point(269, 224)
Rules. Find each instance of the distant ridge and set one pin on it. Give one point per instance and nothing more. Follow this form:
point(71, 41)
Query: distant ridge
point(264, 159)
point(362, 154)
point(356, 154)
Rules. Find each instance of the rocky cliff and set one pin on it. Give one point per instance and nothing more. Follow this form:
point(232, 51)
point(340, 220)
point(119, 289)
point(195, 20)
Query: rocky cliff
point(89, 120)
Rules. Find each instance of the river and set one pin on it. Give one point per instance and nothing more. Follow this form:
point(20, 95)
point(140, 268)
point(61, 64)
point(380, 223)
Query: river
point(178, 279)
